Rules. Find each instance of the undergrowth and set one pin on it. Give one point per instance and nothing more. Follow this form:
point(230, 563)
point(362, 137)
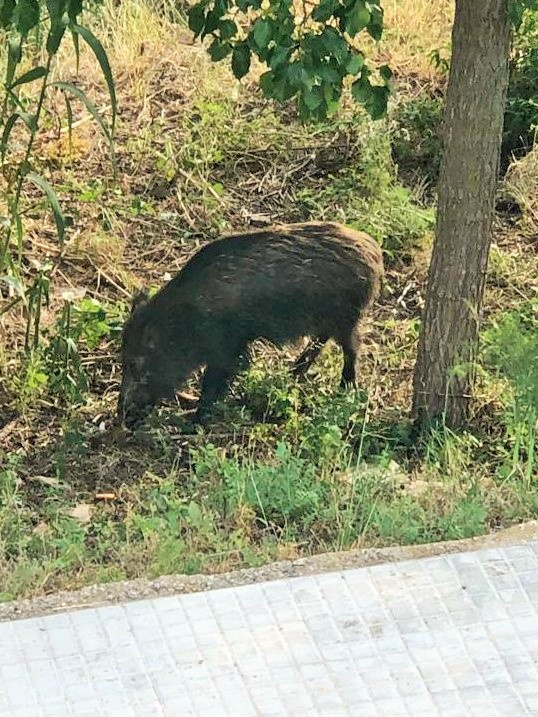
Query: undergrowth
point(286, 469)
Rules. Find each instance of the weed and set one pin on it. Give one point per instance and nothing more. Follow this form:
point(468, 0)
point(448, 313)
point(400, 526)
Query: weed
point(512, 348)
point(521, 115)
point(367, 196)
point(416, 143)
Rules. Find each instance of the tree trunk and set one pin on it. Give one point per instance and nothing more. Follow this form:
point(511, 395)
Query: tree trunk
point(466, 193)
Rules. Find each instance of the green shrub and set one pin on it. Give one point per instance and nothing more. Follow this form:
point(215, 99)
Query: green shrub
point(416, 136)
point(367, 195)
point(521, 116)
point(511, 348)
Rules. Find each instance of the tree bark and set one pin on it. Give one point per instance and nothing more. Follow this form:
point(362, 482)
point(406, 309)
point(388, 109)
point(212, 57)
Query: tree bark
point(473, 123)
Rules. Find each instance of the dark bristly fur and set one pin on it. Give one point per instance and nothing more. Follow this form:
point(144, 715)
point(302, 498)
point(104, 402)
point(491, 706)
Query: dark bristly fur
point(313, 279)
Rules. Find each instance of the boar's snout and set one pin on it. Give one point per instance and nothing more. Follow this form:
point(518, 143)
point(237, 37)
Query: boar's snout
point(134, 403)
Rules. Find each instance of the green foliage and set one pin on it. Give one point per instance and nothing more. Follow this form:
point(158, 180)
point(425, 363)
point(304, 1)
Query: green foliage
point(416, 140)
point(512, 348)
point(521, 115)
point(517, 9)
point(53, 364)
point(367, 196)
point(35, 39)
point(323, 478)
point(307, 56)
point(408, 522)
point(281, 491)
point(81, 324)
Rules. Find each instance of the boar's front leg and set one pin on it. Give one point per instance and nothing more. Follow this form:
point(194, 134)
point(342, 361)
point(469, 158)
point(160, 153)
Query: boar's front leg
point(215, 383)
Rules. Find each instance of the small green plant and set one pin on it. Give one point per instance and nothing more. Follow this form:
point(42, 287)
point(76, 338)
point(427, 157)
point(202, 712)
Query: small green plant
point(521, 115)
point(82, 322)
point(37, 294)
point(67, 376)
point(31, 381)
point(416, 136)
point(367, 196)
point(281, 491)
point(33, 40)
point(512, 348)
point(440, 59)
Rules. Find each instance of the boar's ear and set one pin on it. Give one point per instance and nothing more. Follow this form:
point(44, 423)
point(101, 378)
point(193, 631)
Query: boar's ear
point(139, 299)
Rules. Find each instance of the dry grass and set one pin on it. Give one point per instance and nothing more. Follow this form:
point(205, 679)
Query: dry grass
point(522, 184)
point(415, 28)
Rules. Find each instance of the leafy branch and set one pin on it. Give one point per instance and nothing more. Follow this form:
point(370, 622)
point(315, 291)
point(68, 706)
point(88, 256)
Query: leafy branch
point(308, 52)
point(34, 32)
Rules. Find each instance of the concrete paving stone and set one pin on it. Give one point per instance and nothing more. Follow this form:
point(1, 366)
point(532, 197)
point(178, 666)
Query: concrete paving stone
point(452, 635)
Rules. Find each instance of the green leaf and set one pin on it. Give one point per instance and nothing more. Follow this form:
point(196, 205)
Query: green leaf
point(356, 18)
point(375, 26)
point(283, 89)
point(69, 113)
point(55, 37)
point(329, 74)
point(267, 84)
point(298, 76)
point(6, 12)
point(262, 32)
point(76, 45)
point(14, 56)
point(74, 9)
point(219, 50)
point(279, 56)
point(196, 16)
point(92, 109)
point(53, 201)
point(10, 122)
point(360, 89)
point(334, 44)
point(58, 24)
point(376, 103)
point(102, 59)
point(227, 29)
point(26, 15)
point(312, 97)
point(241, 60)
point(212, 22)
point(34, 74)
point(385, 72)
point(355, 63)
point(57, 9)
point(29, 121)
point(325, 10)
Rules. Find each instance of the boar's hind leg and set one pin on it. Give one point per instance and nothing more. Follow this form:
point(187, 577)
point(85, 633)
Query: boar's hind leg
point(350, 347)
point(214, 385)
point(308, 356)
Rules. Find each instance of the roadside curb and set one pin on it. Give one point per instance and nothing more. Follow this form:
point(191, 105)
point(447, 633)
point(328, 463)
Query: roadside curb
point(95, 596)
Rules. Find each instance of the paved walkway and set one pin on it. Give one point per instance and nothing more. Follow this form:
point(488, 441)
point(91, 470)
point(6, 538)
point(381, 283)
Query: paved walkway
point(450, 635)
